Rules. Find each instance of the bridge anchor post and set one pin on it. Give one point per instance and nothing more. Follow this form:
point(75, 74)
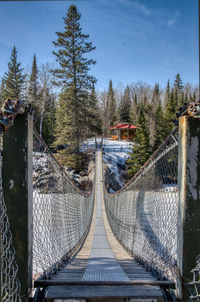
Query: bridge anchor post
point(188, 235)
point(17, 186)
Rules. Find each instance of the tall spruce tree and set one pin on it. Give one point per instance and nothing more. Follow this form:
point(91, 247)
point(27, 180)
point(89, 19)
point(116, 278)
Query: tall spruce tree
point(142, 149)
point(125, 106)
point(2, 91)
point(156, 95)
point(151, 111)
point(178, 84)
point(170, 113)
point(33, 84)
point(34, 93)
point(13, 78)
point(64, 133)
point(105, 113)
point(112, 106)
point(48, 119)
point(181, 100)
point(160, 132)
point(134, 110)
point(93, 120)
point(73, 75)
point(167, 94)
point(176, 98)
point(178, 91)
point(61, 119)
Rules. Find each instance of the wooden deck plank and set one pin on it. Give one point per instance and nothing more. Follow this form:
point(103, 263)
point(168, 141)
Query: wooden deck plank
point(89, 291)
point(77, 277)
point(130, 275)
point(142, 276)
point(113, 284)
point(70, 273)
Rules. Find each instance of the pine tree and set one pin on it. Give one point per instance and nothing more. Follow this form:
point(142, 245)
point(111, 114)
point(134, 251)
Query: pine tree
point(176, 99)
point(160, 132)
point(73, 74)
point(181, 100)
point(112, 107)
point(104, 113)
point(44, 97)
point(33, 84)
point(13, 78)
point(167, 94)
point(178, 93)
point(93, 120)
point(48, 123)
point(178, 84)
point(2, 92)
point(44, 102)
point(134, 110)
point(125, 106)
point(34, 95)
point(61, 119)
point(151, 111)
point(170, 113)
point(156, 95)
point(141, 150)
point(64, 129)
point(72, 44)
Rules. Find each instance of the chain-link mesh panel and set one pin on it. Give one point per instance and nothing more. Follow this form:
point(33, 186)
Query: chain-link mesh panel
point(9, 283)
point(143, 214)
point(61, 212)
point(194, 285)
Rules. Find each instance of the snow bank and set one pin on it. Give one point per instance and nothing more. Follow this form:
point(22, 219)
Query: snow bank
point(115, 154)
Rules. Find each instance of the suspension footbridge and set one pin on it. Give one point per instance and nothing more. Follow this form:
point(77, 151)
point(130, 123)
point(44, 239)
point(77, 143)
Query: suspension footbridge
point(95, 272)
point(60, 243)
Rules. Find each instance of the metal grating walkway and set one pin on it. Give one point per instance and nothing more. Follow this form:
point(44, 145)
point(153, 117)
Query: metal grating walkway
point(102, 264)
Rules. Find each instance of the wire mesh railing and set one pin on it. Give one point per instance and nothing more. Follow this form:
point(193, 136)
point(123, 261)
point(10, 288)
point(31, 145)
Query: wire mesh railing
point(143, 214)
point(62, 213)
point(194, 285)
point(9, 282)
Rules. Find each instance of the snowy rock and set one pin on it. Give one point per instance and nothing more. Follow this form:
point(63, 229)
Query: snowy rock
point(115, 154)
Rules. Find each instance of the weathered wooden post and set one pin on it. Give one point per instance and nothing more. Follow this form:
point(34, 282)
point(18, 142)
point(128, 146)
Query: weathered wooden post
point(17, 186)
point(189, 201)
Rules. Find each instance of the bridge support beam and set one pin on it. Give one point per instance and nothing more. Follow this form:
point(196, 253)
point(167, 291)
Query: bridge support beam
point(189, 201)
point(17, 186)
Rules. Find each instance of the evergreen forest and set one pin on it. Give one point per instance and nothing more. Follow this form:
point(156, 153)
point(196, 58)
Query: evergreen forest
point(68, 109)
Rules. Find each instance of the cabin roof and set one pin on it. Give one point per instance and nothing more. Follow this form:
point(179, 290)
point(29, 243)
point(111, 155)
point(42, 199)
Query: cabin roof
point(123, 126)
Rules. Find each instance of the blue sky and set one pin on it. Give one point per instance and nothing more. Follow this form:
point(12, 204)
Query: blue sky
point(136, 40)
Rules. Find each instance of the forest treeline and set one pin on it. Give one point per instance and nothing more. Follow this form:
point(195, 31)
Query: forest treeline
point(151, 109)
point(68, 110)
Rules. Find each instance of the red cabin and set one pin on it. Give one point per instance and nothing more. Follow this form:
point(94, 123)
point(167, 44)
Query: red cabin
point(123, 131)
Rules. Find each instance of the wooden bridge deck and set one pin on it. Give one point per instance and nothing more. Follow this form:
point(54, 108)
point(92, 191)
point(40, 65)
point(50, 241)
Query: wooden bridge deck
point(102, 270)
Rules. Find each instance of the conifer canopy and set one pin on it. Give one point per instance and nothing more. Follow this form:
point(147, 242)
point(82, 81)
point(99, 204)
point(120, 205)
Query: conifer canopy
point(76, 82)
point(13, 78)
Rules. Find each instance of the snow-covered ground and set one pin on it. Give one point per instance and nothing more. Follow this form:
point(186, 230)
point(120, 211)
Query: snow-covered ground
point(88, 144)
point(115, 154)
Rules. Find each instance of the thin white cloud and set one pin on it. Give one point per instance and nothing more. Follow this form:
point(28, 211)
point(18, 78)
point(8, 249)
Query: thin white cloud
point(173, 20)
point(6, 42)
point(138, 5)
